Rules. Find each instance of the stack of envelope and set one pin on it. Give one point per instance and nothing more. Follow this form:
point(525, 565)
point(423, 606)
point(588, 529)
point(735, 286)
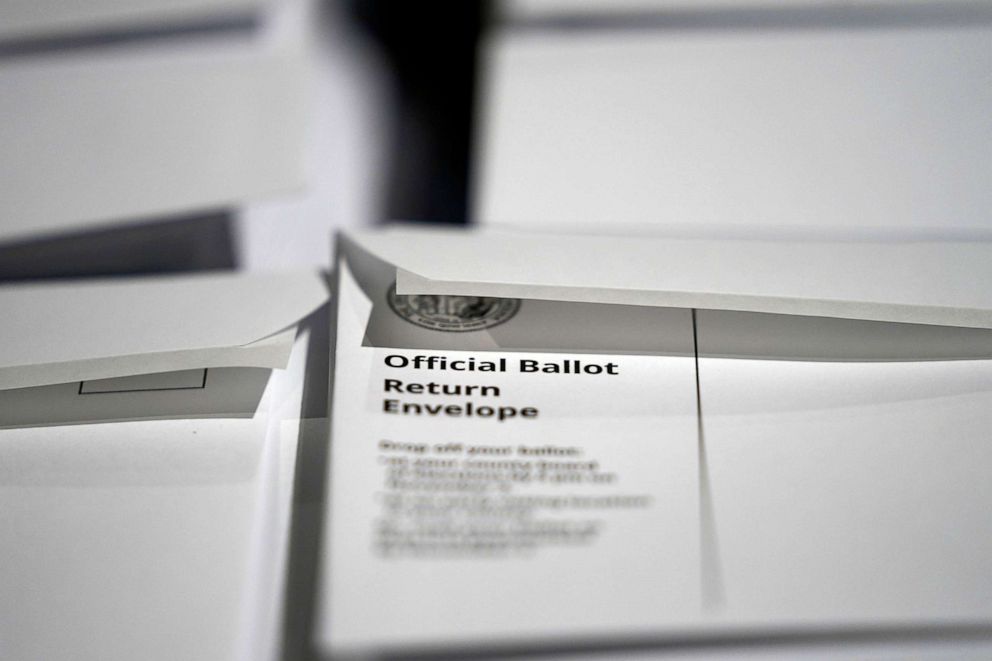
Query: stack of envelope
point(539, 441)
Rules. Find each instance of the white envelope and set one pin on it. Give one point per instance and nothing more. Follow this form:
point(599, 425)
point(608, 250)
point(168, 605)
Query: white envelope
point(61, 333)
point(841, 461)
point(151, 538)
point(609, 570)
point(144, 130)
point(827, 124)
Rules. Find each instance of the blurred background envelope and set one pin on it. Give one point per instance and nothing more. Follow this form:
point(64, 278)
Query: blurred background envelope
point(80, 331)
point(51, 18)
point(895, 279)
point(114, 112)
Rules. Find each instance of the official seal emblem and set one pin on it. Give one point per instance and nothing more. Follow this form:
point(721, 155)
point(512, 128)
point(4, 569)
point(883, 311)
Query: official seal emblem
point(455, 314)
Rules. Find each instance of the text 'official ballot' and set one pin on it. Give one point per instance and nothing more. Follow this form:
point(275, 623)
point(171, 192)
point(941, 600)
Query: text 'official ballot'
point(523, 365)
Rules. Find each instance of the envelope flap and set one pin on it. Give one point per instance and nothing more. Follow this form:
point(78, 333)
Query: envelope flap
point(45, 323)
point(920, 281)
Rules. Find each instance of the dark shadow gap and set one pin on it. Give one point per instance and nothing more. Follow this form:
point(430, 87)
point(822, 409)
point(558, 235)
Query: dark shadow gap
point(302, 590)
point(180, 244)
point(711, 572)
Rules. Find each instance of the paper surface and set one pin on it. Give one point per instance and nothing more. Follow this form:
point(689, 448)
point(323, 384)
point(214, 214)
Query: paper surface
point(152, 130)
point(548, 504)
point(151, 539)
point(131, 536)
point(92, 330)
point(929, 282)
point(836, 125)
point(847, 492)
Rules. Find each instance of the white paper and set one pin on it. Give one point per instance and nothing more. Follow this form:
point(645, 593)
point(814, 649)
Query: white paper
point(415, 559)
point(138, 131)
point(913, 281)
point(57, 333)
point(817, 126)
point(125, 540)
point(849, 492)
point(151, 539)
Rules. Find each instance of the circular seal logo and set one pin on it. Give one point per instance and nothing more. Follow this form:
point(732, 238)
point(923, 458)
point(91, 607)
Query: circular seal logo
point(455, 314)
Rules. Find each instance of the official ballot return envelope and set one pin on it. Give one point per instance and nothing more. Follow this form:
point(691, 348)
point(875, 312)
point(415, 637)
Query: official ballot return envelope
point(525, 470)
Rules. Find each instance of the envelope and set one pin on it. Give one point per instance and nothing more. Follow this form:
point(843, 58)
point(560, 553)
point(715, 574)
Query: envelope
point(156, 128)
point(62, 333)
point(150, 538)
point(824, 118)
point(838, 484)
point(480, 553)
point(147, 448)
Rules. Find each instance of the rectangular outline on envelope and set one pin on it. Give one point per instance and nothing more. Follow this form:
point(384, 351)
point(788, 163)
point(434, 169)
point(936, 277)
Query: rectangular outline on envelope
point(203, 384)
